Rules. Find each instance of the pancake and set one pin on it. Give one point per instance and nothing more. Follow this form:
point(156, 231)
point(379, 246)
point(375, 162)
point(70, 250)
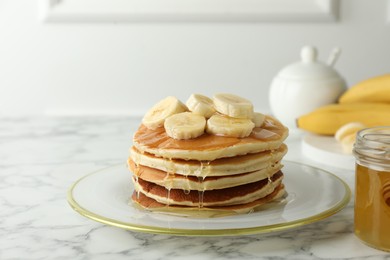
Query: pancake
point(209, 147)
point(177, 181)
point(189, 164)
point(150, 204)
point(222, 197)
point(220, 167)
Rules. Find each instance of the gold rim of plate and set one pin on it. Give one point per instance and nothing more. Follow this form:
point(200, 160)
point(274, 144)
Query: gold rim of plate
point(210, 232)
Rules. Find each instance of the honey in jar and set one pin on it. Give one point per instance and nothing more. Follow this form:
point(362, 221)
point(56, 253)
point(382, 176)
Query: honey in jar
point(372, 187)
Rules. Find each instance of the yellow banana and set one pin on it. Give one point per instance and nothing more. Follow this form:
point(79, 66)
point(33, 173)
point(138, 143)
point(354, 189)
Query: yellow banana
point(328, 119)
point(376, 89)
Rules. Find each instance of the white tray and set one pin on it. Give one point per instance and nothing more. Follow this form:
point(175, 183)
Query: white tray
point(326, 150)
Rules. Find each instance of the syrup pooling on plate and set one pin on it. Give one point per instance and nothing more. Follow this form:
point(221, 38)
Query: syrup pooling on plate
point(233, 166)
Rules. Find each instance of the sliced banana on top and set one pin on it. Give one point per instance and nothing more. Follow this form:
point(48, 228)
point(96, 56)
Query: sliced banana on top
point(229, 126)
point(201, 105)
point(186, 125)
point(233, 106)
point(156, 116)
point(258, 119)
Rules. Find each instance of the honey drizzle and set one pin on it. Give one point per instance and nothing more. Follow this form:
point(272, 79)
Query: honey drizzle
point(272, 155)
point(136, 173)
point(137, 185)
point(168, 195)
point(158, 139)
point(200, 193)
point(204, 171)
point(168, 180)
point(187, 189)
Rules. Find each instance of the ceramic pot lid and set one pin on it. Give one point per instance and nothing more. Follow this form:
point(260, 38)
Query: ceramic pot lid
point(309, 68)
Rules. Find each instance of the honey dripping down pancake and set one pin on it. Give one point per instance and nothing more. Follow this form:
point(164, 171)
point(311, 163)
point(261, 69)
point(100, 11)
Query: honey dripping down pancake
point(219, 167)
point(207, 158)
point(186, 182)
point(221, 197)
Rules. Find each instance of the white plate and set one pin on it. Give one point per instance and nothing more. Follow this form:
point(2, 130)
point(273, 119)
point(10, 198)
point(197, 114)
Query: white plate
point(313, 194)
point(326, 150)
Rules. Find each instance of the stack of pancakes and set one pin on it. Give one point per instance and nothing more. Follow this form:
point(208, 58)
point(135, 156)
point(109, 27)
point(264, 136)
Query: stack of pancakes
point(209, 175)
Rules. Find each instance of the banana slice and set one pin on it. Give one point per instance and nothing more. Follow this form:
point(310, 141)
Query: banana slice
point(229, 126)
point(258, 119)
point(347, 129)
point(346, 135)
point(156, 116)
point(186, 125)
point(201, 105)
point(233, 106)
point(347, 143)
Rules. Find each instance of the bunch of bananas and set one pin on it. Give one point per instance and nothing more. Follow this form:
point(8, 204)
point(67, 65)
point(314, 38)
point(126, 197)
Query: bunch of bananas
point(368, 102)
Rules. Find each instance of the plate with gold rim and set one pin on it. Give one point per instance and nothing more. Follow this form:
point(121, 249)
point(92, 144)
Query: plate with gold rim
point(312, 195)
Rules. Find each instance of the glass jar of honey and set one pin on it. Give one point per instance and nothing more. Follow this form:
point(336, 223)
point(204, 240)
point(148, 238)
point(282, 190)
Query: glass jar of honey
point(372, 187)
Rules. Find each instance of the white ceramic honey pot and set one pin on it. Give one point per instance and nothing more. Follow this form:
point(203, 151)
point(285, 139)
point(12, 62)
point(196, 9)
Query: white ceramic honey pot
point(305, 85)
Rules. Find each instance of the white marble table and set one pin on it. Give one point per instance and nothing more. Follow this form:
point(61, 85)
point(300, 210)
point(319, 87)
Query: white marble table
point(41, 157)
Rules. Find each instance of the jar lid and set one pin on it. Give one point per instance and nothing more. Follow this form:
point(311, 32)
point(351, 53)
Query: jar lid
point(309, 68)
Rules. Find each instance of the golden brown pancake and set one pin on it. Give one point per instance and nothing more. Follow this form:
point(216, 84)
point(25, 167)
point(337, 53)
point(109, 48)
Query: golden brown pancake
point(221, 197)
point(208, 147)
point(177, 181)
point(219, 167)
point(150, 204)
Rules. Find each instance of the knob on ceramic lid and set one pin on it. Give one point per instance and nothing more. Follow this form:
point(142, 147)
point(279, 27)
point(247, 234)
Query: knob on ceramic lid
point(309, 54)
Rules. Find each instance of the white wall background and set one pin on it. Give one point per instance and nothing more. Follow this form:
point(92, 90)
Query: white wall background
point(111, 68)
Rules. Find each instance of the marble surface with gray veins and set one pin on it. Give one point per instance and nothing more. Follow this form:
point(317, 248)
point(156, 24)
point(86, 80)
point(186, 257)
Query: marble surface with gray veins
point(41, 157)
